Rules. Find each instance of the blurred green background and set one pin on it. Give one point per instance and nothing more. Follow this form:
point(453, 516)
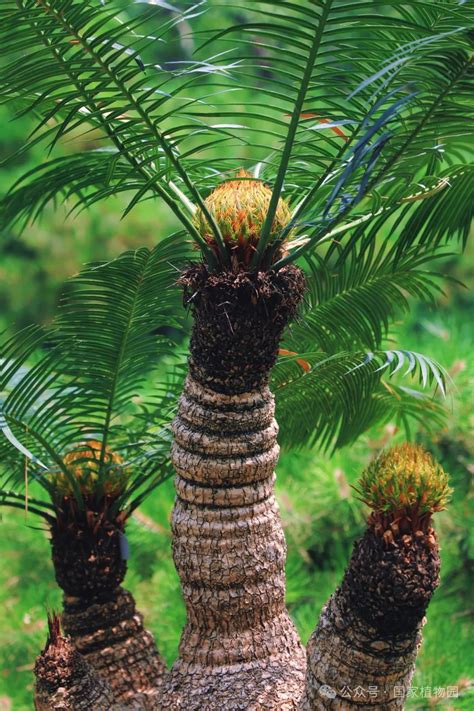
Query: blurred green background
point(320, 513)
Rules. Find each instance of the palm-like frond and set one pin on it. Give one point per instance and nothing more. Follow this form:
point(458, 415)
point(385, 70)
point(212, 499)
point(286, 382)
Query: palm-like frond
point(449, 216)
point(342, 395)
point(83, 178)
point(395, 151)
point(351, 302)
point(438, 212)
point(76, 73)
point(393, 78)
point(348, 109)
point(81, 379)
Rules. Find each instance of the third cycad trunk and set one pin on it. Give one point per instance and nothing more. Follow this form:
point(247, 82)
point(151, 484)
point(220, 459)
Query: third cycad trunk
point(362, 654)
point(239, 649)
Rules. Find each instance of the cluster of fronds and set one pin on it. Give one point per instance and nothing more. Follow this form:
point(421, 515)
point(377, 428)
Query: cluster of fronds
point(74, 417)
point(282, 92)
point(404, 484)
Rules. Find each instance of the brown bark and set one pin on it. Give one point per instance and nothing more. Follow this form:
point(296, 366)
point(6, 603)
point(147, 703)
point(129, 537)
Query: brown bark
point(99, 616)
point(362, 654)
point(65, 680)
point(239, 648)
point(110, 635)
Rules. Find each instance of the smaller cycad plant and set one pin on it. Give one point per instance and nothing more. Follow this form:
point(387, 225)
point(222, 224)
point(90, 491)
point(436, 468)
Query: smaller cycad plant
point(380, 606)
point(404, 487)
point(85, 438)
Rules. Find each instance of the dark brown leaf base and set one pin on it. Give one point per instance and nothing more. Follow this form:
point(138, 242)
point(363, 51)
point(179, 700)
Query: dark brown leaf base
point(239, 320)
point(86, 554)
point(389, 585)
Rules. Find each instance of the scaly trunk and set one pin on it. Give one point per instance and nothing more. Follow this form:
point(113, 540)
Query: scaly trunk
point(239, 649)
point(64, 680)
point(99, 615)
point(363, 651)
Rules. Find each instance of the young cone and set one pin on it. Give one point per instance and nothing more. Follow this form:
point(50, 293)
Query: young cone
point(89, 557)
point(239, 208)
point(362, 654)
point(239, 648)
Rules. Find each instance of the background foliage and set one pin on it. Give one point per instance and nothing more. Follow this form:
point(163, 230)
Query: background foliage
point(321, 514)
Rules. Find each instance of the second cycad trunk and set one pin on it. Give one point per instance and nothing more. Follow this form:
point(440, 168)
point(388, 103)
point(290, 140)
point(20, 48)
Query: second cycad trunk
point(362, 654)
point(239, 649)
point(99, 615)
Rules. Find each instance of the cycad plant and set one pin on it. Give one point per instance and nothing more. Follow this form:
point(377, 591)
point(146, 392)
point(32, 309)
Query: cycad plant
point(77, 451)
point(319, 131)
point(380, 605)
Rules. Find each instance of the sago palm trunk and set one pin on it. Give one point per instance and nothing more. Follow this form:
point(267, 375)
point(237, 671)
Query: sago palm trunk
point(99, 615)
point(362, 654)
point(239, 648)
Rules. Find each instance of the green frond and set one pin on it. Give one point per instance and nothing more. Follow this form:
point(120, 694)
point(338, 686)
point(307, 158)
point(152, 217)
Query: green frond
point(351, 303)
point(334, 399)
point(74, 72)
point(84, 379)
point(330, 102)
point(447, 215)
point(438, 211)
point(82, 178)
point(370, 58)
point(396, 150)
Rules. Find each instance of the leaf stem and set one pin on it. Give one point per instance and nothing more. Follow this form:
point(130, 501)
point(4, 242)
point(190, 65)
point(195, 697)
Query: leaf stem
point(291, 135)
